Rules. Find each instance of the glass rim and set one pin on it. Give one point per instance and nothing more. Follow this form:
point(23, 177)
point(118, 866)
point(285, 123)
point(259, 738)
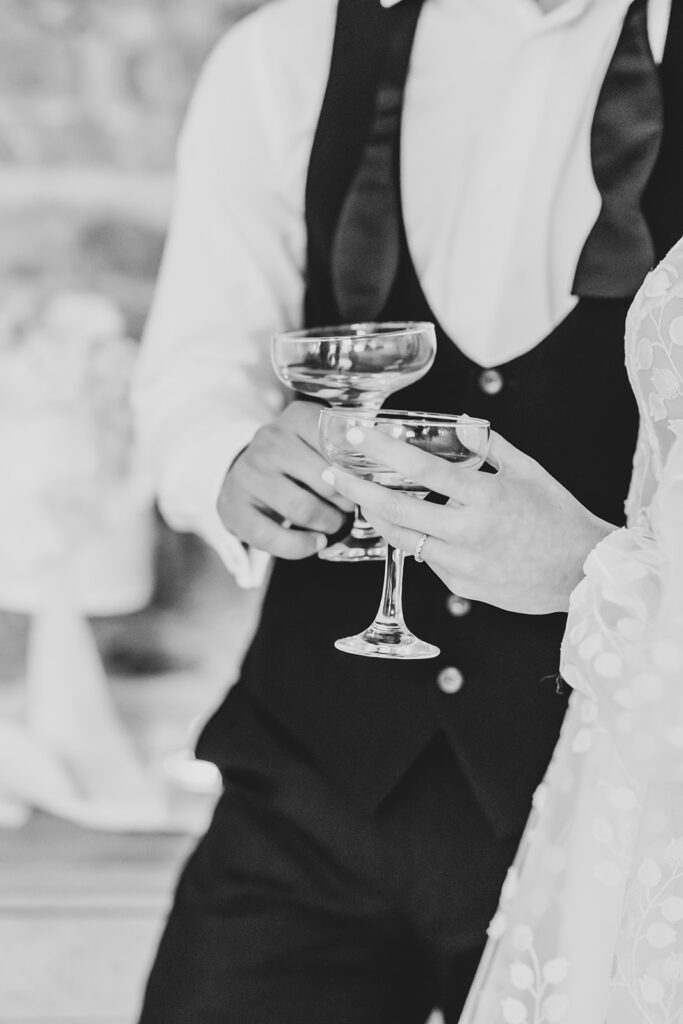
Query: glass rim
point(428, 418)
point(349, 332)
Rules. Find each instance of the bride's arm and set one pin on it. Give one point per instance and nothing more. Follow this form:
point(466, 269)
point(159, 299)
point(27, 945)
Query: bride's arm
point(631, 655)
point(642, 704)
point(516, 539)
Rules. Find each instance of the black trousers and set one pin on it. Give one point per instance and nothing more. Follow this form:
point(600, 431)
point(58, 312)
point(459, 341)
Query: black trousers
point(295, 908)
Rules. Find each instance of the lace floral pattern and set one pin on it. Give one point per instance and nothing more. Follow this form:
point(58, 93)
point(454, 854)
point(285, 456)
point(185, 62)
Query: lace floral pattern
point(590, 924)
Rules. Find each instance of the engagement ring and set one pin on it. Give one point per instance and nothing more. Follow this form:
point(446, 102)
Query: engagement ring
point(418, 549)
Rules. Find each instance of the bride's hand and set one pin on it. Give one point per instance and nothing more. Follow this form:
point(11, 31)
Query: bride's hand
point(516, 539)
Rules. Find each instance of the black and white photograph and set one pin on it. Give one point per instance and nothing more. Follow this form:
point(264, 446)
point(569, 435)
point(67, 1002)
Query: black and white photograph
point(341, 511)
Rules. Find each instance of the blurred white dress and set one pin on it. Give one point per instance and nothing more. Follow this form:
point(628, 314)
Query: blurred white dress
point(590, 924)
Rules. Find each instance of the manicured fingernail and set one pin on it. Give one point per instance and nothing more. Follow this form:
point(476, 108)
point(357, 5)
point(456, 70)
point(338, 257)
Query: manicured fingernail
point(328, 476)
point(320, 541)
point(355, 436)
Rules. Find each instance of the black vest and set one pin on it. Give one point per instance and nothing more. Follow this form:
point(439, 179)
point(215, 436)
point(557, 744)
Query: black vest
point(567, 403)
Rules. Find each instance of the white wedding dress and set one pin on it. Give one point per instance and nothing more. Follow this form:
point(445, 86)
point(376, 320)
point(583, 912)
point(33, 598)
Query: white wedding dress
point(590, 924)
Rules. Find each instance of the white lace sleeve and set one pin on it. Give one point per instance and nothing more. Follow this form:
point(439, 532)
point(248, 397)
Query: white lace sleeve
point(589, 928)
point(624, 644)
point(628, 653)
point(599, 871)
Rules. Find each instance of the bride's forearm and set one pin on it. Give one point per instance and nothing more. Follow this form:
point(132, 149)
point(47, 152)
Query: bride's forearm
point(585, 538)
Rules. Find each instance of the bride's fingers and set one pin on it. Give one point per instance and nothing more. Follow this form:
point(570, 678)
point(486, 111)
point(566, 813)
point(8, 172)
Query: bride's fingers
point(432, 472)
point(400, 537)
point(503, 455)
point(434, 552)
point(393, 507)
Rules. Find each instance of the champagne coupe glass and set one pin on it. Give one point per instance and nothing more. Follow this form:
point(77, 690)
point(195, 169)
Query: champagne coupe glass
point(356, 366)
point(459, 439)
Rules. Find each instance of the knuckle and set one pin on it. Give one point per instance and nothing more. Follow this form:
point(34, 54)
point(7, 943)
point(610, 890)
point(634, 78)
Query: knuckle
point(330, 521)
point(261, 447)
point(261, 436)
point(305, 420)
point(391, 510)
point(302, 508)
point(295, 412)
point(241, 485)
point(294, 544)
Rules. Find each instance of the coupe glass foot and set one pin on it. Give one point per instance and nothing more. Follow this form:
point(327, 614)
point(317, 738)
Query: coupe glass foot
point(355, 549)
point(373, 643)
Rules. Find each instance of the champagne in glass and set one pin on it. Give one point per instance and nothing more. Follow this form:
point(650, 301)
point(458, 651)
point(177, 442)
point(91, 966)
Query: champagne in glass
point(356, 366)
point(458, 439)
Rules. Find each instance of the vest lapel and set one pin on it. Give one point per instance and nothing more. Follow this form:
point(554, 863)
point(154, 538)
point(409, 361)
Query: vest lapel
point(625, 139)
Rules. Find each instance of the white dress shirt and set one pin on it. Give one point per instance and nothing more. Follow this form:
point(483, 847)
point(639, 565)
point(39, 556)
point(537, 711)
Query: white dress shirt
point(498, 198)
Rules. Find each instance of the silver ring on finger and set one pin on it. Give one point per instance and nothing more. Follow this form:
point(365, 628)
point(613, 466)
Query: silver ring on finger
point(420, 545)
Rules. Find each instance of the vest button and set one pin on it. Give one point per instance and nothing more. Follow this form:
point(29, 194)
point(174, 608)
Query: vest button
point(450, 680)
point(458, 606)
point(491, 382)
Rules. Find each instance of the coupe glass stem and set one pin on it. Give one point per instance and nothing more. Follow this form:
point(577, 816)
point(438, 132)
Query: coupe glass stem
point(361, 529)
point(389, 618)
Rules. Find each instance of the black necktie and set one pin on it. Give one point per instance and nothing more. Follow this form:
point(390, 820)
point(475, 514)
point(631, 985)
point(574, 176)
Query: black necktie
point(367, 242)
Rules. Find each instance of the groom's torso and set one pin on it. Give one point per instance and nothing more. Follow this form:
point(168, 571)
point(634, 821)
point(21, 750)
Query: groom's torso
point(565, 401)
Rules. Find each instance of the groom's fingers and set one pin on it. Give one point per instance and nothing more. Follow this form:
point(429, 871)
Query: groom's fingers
point(281, 448)
point(433, 472)
point(258, 529)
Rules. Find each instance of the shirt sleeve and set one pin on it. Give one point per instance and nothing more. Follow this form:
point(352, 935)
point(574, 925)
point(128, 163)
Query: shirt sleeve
point(231, 275)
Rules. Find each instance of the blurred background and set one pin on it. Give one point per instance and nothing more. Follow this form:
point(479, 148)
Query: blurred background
point(139, 629)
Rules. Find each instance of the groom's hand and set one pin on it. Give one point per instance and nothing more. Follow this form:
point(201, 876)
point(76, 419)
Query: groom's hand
point(276, 481)
point(516, 539)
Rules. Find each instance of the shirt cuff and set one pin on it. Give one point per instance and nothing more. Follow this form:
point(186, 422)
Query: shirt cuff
point(248, 565)
point(188, 500)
